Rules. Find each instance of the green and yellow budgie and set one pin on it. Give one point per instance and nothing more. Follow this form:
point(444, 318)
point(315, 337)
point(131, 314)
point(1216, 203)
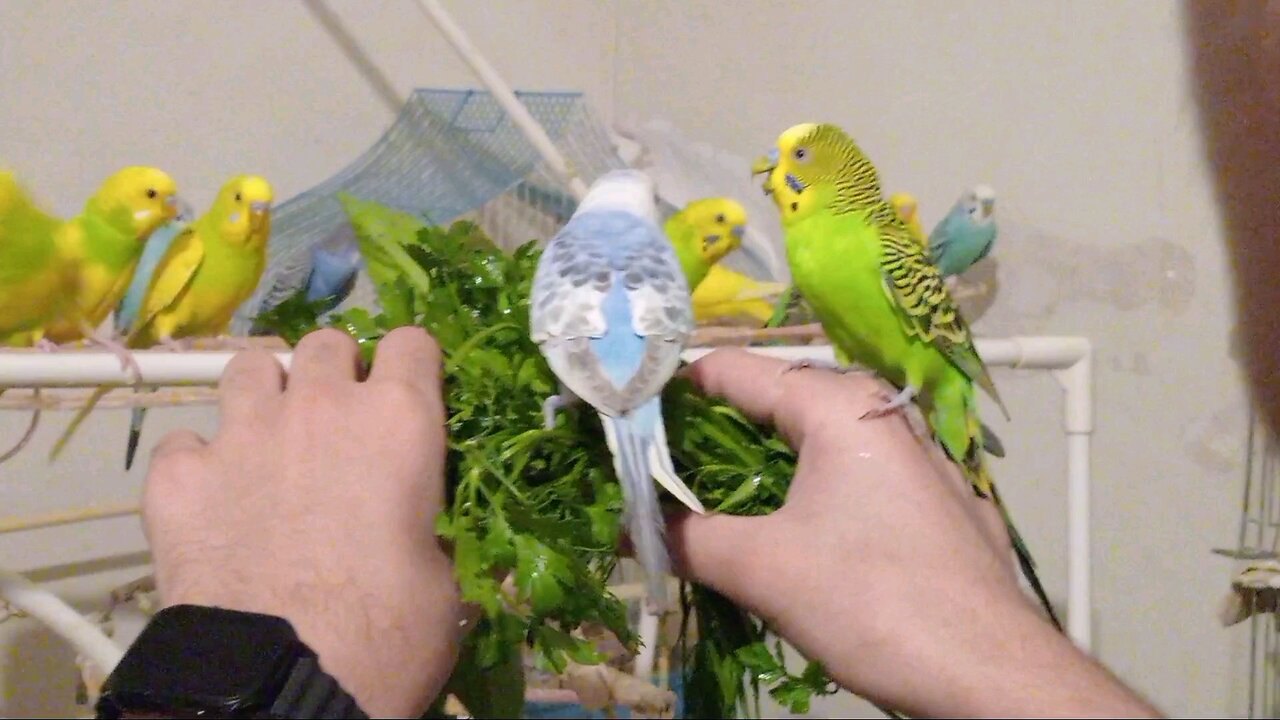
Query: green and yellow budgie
point(703, 232)
point(59, 278)
point(206, 271)
point(880, 301)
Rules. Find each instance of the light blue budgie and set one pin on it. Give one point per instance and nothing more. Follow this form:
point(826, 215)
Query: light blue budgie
point(334, 266)
point(127, 311)
point(611, 312)
point(967, 234)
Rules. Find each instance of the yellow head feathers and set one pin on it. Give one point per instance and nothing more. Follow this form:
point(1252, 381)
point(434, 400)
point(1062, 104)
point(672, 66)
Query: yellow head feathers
point(242, 210)
point(720, 223)
point(905, 205)
point(818, 167)
point(136, 199)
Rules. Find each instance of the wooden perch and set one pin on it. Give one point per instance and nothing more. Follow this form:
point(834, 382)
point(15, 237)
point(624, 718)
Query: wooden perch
point(713, 336)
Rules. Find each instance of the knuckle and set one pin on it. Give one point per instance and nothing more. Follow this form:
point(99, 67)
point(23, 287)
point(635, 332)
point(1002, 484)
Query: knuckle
point(326, 340)
point(406, 400)
point(253, 361)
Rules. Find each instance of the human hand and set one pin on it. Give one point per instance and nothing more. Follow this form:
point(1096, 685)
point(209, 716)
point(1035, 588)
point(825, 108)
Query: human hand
point(883, 564)
point(317, 503)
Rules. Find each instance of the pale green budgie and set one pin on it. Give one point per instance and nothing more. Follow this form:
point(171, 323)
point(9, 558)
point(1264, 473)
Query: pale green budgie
point(880, 301)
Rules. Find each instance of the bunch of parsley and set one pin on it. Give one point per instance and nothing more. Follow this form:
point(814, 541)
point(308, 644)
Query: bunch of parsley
point(543, 505)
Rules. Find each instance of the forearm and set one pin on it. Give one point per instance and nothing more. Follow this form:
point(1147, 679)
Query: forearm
point(1023, 667)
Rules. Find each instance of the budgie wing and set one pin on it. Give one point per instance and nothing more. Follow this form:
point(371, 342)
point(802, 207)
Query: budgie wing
point(154, 251)
point(25, 232)
point(595, 259)
point(173, 275)
point(924, 305)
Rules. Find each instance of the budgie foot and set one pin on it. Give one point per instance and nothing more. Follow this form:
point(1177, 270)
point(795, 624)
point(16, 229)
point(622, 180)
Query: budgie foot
point(127, 362)
point(172, 345)
point(46, 345)
point(893, 404)
point(555, 403)
point(233, 342)
point(824, 365)
point(550, 406)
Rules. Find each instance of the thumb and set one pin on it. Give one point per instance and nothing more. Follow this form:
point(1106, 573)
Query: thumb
point(719, 551)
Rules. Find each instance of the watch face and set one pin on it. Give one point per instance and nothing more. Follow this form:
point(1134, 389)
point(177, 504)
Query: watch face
point(206, 658)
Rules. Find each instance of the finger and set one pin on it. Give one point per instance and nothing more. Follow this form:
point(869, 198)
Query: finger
point(720, 551)
point(251, 379)
point(756, 385)
point(324, 357)
point(170, 468)
point(177, 441)
point(408, 355)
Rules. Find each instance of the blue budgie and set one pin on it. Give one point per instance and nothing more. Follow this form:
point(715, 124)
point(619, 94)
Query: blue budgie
point(127, 311)
point(967, 234)
point(611, 312)
point(334, 265)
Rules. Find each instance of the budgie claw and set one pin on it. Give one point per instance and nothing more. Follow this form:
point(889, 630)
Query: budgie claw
point(46, 345)
point(127, 362)
point(824, 365)
point(234, 342)
point(172, 345)
point(894, 404)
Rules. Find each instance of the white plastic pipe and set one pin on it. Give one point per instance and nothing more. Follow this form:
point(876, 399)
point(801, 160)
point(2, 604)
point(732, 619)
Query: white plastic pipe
point(1070, 359)
point(87, 638)
point(505, 97)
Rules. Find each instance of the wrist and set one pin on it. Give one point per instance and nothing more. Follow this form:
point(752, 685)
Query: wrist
point(201, 661)
point(1018, 665)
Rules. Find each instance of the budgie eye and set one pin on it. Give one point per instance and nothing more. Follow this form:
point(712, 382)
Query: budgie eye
point(720, 218)
point(237, 197)
point(151, 194)
point(800, 154)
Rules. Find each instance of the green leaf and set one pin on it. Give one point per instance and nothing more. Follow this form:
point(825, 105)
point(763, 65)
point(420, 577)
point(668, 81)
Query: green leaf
point(541, 574)
point(492, 689)
point(379, 232)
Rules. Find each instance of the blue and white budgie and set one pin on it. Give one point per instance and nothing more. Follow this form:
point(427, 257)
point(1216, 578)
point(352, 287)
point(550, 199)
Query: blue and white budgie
point(611, 312)
point(967, 234)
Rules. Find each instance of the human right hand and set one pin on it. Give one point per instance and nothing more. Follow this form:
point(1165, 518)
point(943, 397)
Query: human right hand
point(883, 564)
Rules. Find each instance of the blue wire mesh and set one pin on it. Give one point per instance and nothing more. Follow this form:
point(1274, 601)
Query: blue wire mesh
point(450, 154)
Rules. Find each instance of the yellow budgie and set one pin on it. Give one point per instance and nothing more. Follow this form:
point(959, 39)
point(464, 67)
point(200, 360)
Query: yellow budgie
point(724, 293)
point(905, 205)
point(704, 232)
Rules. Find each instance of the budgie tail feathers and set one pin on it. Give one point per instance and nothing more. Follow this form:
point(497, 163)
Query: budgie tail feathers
point(135, 434)
point(631, 446)
point(976, 468)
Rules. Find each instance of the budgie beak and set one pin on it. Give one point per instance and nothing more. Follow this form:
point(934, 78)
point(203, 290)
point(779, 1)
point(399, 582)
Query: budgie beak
point(988, 206)
point(257, 209)
point(738, 231)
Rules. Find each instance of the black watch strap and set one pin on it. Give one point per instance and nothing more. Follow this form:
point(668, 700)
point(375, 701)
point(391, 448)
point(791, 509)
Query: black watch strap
point(311, 693)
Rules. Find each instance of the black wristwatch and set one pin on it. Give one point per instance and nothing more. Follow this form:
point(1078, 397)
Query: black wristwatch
point(208, 662)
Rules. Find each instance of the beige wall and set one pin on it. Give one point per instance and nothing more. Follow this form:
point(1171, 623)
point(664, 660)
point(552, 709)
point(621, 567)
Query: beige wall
point(1079, 118)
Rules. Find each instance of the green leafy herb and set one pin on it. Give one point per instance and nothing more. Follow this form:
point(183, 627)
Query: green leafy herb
point(543, 506)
